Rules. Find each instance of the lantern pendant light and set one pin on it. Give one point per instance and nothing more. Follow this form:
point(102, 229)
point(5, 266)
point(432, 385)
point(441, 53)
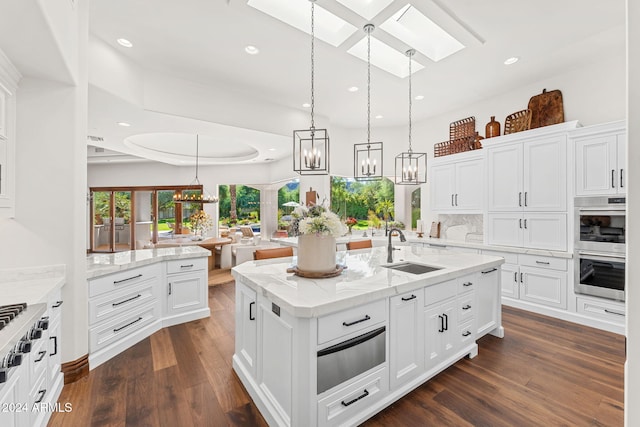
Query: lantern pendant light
point(366, 157)
point(204, 196)
point(311, 146)
point(411, 167)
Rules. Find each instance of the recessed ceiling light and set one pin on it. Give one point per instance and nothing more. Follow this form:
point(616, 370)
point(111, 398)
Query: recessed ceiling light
point(125, 43)
point(272, 149)
point(268, 159)
point(306, 105)
point(124, 124)
point(419, 97)
point(353, 89)
point(379, 116)
point(511, 60)
point(251, 50)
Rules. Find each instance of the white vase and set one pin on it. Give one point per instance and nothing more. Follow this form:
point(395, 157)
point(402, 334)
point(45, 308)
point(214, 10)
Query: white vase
point(316, 253)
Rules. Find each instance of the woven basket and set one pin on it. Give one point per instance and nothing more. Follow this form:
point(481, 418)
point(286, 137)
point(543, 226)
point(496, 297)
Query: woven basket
point(462, 128)
point(458, 145)
point(517, 122)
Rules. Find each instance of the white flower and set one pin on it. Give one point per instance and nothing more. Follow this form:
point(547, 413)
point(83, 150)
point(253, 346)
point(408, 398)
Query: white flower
point(327, 223)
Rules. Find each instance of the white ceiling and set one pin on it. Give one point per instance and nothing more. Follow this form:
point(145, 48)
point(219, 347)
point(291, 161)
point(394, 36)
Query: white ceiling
point(203, 41)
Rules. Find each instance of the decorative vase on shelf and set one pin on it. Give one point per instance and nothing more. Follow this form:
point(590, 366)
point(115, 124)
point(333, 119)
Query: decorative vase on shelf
point(492, 128)
point(316, 253)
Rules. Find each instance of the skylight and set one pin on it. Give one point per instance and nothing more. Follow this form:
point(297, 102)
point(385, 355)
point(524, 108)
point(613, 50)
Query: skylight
point(328, 27)
point(367, 9)
point(385, 57)
point(421, 33)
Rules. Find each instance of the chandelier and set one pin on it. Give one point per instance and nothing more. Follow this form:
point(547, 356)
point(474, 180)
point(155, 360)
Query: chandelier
point(411, 167)
point(204, 196)
point(311, 146)
point(367, 155)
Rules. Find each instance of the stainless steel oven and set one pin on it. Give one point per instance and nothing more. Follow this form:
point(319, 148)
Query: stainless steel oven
point(600, 235)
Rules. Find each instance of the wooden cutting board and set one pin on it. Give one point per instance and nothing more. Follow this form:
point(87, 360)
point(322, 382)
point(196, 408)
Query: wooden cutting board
point(546, 109)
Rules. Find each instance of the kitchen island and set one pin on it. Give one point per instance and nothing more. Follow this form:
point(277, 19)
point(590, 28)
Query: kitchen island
point(335, 351)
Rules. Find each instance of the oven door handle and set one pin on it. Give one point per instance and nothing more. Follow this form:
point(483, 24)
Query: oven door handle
point(352, 342)
point(601, 256)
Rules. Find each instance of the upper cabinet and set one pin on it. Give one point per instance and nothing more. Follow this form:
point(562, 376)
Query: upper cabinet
point(600, 153)
point(529, 175)
point(457, 183)
point(9, 78)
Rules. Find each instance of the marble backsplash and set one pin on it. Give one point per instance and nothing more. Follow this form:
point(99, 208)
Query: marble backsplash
point(473, 223)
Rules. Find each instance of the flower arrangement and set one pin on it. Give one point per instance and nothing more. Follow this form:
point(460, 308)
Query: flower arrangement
point(350, 222)
point(200, 222)
point(318, 220)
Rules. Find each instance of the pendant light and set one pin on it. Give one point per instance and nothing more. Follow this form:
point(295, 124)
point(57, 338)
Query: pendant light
point(203, 197)
point(311, 146)
point(411, 167)
point(366, 157)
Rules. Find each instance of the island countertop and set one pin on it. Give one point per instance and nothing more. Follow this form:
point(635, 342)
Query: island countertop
point(365, 279)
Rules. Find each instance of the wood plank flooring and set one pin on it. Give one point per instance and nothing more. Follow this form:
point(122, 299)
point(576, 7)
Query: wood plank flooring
point(544, 372)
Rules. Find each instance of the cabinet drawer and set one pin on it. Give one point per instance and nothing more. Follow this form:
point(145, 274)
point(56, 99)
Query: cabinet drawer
point(116, 281)
point(467, 283)
point(113, 304)
point(559, 264)
point(38, 356)
point(39, 392)
point(466, 306)
point(602, 310)
point(185, 265)
point(118, 328)
point(441, 291)
point(467, 334)
point(509, 258)
point(354, 319)
point(54, 305)
point(338, 407)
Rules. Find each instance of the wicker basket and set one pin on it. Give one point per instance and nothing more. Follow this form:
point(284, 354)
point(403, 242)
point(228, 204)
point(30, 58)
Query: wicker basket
point(458, 145)
point(462, 128)
point(517, 122)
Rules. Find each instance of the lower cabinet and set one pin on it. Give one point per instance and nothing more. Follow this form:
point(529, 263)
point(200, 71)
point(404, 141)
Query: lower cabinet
point(406, 355)
point(441, 332)
point(246, 321)
point(187, 285)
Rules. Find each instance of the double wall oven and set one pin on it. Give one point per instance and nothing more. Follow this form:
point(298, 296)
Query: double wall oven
point(600, 233)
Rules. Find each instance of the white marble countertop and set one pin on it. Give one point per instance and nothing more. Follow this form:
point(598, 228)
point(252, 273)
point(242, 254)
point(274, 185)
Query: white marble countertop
point(31, 285)
point(364, 280)
point(101, 264)
point(412, 238)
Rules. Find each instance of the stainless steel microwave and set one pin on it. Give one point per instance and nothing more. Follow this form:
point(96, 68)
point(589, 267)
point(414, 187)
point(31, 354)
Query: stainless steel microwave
point(600, 224)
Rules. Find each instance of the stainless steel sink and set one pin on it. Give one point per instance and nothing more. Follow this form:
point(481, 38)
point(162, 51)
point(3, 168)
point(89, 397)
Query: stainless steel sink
point(410, 267)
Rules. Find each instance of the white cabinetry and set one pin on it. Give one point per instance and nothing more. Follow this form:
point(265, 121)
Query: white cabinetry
point(246, 321)
point(458, 184)
point(533, 230)
point(600, 156)
point(405, 334)
point(187, 287)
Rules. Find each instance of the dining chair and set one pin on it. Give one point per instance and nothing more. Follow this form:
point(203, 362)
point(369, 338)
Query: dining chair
point(273, 253)
point(359, 244)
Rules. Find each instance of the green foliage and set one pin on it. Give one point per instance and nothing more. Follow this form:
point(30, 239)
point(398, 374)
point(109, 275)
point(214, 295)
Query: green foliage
point(373, 220)
point(385, 208)
point(247, 204)
point(356, 199)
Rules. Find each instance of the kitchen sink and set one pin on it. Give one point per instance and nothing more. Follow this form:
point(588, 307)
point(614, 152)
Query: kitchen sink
point(412, 268)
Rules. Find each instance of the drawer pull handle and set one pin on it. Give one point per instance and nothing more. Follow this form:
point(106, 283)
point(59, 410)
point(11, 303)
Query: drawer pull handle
point(467, 284)
point(115, 304)
point(606, 310)
point(41, 394)
point(170, 288)
point(446, 322)
point(127, 325)
point(351, 402)
point(543, 262)
point(466, 334)
point(364, 319)
point(251, 316)
point(441, 323)
point(409, 298)
point(42, 354)
point(55, 346)
point(186, 266)
point(115, 282)
point(466, 307)
point(489, 271)
point(57, 304)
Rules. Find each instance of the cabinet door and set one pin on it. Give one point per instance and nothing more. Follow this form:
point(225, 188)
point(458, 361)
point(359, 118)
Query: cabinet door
point(406, 335)
point(546, 287)
point(434, 328)
point(545, 175)
point(510, 281)
point(505, 229)
point(504, 169)
point(450, 338)
point(488, 305)
point(187, 292)
point(443, 187)
point(469, 185)
point(246, 325)
point(622, 159)
point(596, 165)
point(545, 231)
point(15, 409)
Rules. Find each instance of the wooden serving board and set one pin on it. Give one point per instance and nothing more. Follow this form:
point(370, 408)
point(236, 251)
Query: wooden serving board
point(316, 274)
point(546, 109)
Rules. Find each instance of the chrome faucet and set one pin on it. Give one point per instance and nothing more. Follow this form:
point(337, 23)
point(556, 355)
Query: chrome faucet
point(391, 248)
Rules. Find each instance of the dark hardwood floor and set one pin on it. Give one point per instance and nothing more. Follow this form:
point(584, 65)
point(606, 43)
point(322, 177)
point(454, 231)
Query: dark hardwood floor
point(544, 372)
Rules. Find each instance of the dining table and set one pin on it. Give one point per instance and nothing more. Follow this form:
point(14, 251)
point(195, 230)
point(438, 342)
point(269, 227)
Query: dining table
point(210, 243)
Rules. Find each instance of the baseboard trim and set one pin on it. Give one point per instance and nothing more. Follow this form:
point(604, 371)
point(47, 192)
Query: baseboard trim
point(75, 369)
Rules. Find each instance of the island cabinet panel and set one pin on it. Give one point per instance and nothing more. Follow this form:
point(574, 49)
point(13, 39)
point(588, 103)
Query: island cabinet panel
point(441, 332)
point(406, 354)
point(488, 308)
point(246, 321)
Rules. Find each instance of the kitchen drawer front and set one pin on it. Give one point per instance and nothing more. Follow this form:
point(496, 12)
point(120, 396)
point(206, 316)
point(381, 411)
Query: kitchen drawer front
point(123, 279)
point(602, 310)
point(113, 304)
point(54, 305)
point(355, 319)
point(466, 307)
point(118, 328)
point(39, 356)
point(467, 283)
point(439, 292)
point(38, 393)
point(466, 331)
point(186, 265)
point(346, 402)
point(559, 264)
point(509, 258)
